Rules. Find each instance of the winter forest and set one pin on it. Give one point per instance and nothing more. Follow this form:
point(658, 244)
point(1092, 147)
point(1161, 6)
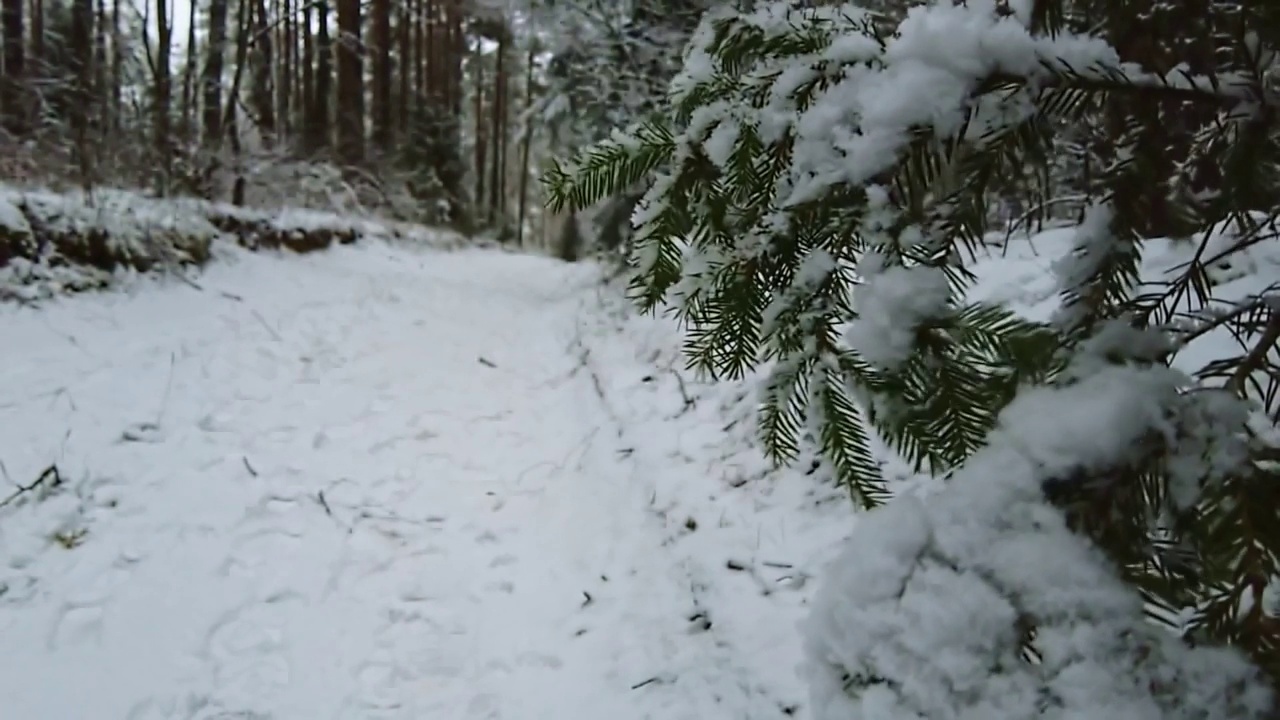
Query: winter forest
point(705, 359)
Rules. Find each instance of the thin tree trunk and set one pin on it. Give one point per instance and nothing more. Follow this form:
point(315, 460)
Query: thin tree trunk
point(102, 71)
point(14, 76)
point(262, 96)
point(481, 141)
point(37, 38)
point(495, 125)
point(308, 81)
point(244, 25)
point(285, 83)
point(322, 108)
point(404, 55)
point(350, 85)
point(420, 50)
point(117, 68)
point(457, 51)
point(524, 150)
point(381, 48)
point(188, 75)
point(163, 93)
point(81, 45)
point(211, 78)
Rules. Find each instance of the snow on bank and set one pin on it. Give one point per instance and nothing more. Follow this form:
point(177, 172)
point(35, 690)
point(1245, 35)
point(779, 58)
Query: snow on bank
point(749, 539)
point(55, 243)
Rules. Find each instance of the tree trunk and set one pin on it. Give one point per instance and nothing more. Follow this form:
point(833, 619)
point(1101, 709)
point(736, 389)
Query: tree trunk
point(404, 71)
point(419, 50)
point(481, 140)
point(524, 150)
point(284, 80)
point(496, 126)
point(350, 85)
point(381, 48)
point(211, 79)
point(188, 75)
point(11, 82)
point(308, 80)
point(117, 68)
point(81, 44)
point(321, 113)
point(263, 102)
point(244, 29)
point(37, 37)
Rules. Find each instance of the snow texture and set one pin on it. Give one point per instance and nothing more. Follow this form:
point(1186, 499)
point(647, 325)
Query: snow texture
point(926, 606)
point(921, 615)
point(892, 304)
point(388, 482)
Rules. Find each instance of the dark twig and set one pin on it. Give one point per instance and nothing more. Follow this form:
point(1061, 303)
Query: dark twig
point(49, 475)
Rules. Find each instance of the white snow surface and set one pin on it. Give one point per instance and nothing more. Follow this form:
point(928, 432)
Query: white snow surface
point(389, 482)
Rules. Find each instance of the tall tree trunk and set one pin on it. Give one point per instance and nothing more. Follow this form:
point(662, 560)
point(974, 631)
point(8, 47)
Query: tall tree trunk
point(420, 22)
point(381, 48)
point(481, 140)
point(101, 70)
point(496, 125)
point(37, 37)
point(263, 102)
point(188, 76)
point(229, 124)
point(163, 94)
point(211, 79)
point(11, 82)
point(528, 142)
point(322, 106)
point(308, 80)
point(457, 52)
point(284, 79)
point(117, 68)
point(404, 58)
point(81, 45)
point(350, 85)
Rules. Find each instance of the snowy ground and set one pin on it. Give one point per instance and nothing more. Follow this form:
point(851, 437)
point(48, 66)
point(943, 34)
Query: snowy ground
point(379, 482)
point(388, 482)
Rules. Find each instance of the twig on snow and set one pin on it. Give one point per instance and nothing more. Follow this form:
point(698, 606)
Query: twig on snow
point(49, 475)
point(247, 466)
point(642, 683)
point(689, 402)
point(275, 335)
point(485, 362)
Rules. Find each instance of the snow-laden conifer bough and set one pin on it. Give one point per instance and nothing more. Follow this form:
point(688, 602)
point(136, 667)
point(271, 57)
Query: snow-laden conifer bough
point(926, 614)
point(973, 602)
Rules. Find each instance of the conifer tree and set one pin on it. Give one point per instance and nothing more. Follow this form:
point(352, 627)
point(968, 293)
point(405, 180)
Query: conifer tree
point(827, 174)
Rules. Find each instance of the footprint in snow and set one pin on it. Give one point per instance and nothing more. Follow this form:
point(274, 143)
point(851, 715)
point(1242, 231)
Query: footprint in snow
point(247, 659)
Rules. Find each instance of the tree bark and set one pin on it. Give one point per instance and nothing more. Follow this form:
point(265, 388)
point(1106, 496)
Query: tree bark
point(211, 78)
point(11, 83)
point(350, 85)
point(382, 64)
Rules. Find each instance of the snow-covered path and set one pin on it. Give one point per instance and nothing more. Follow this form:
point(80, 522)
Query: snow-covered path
point(376, 485)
